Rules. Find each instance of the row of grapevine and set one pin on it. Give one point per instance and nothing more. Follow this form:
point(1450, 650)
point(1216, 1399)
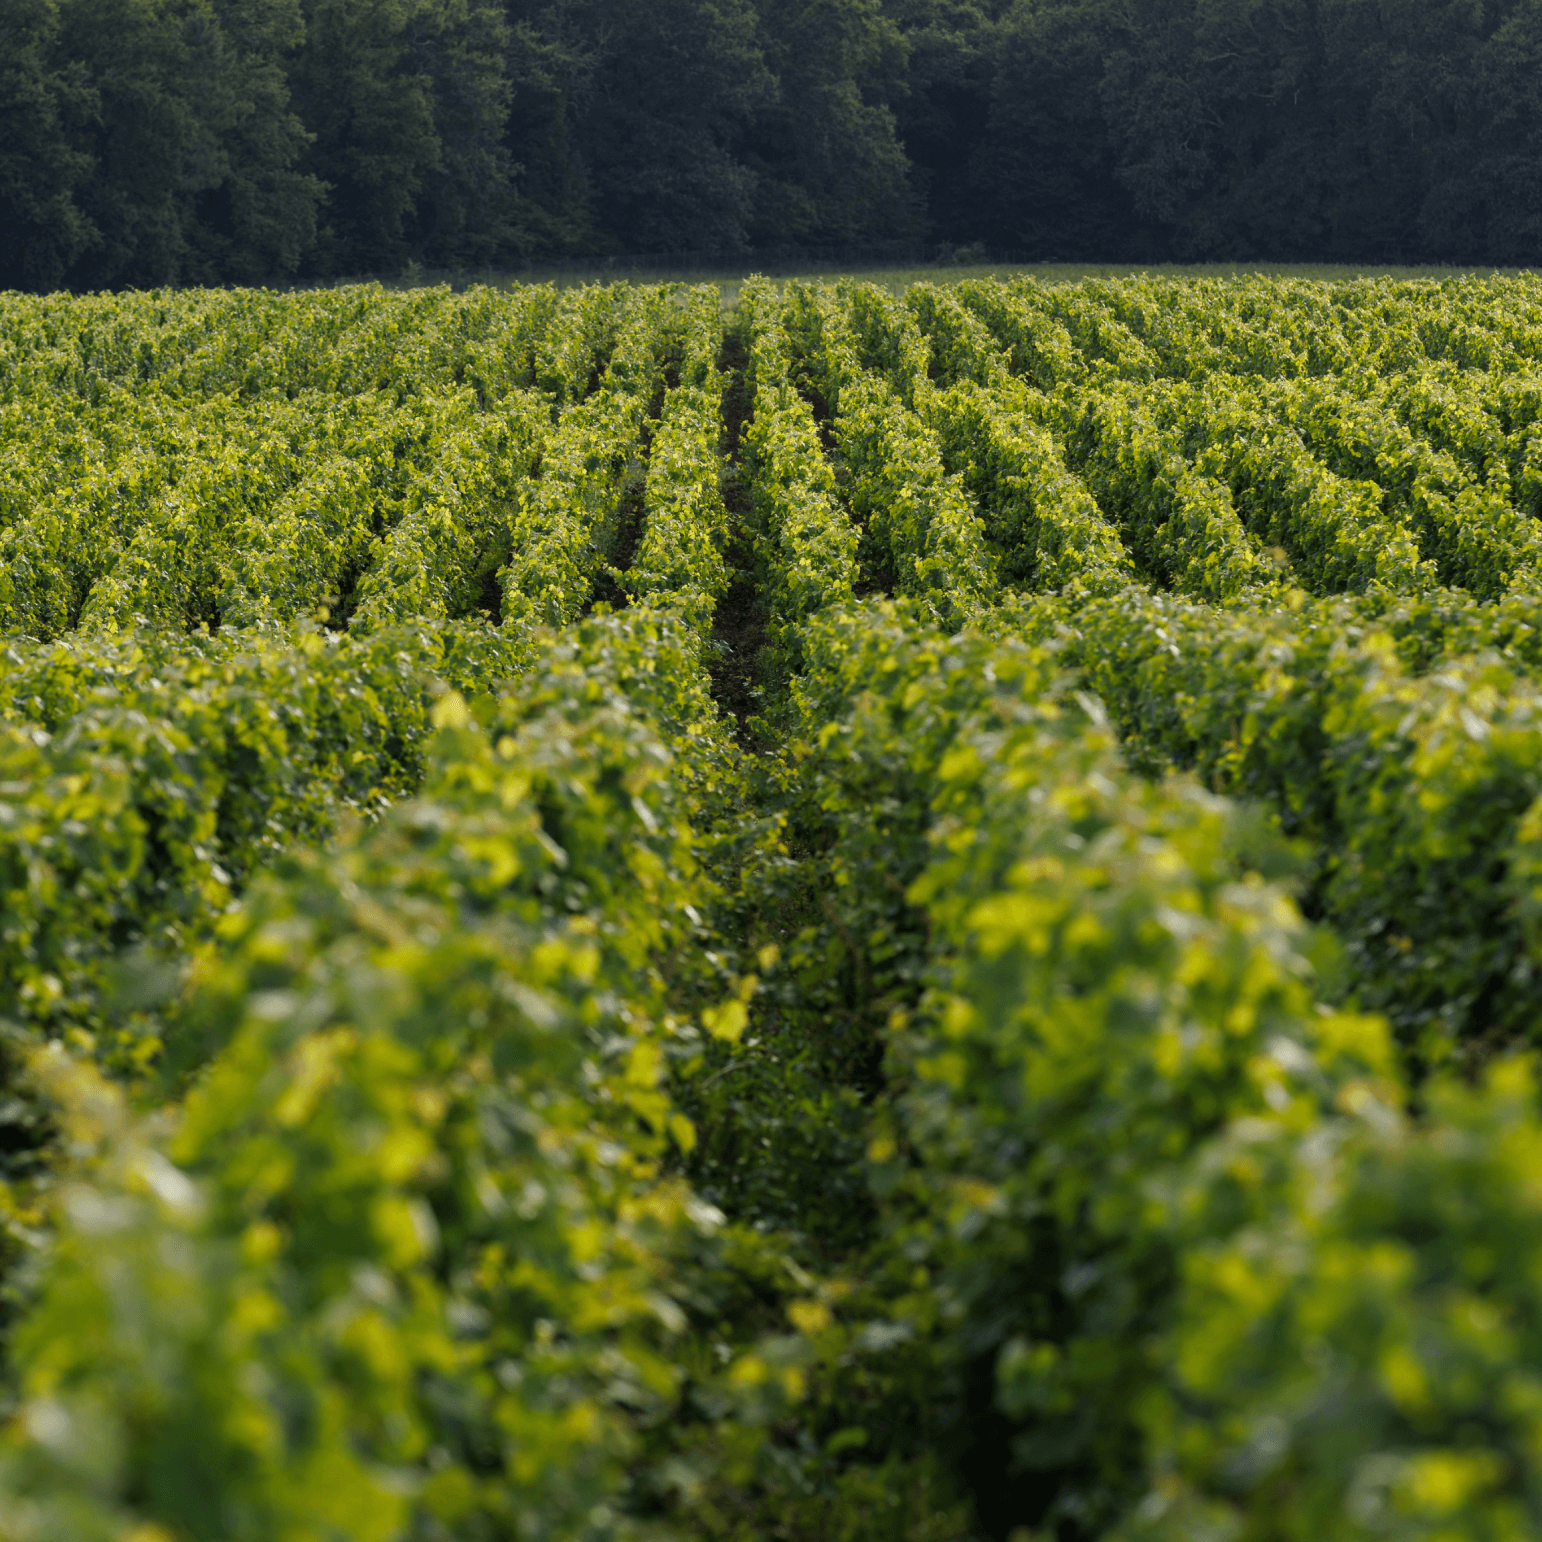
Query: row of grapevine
point(1113, 1113)
point(1046, 528)
point(1414, 790)
point(680, 558)
point(1476, 537)
point(149, 777)
point(1189, 481)
point(1418, 792)
point(1178, 519)
point(1144, 329)
point(1109, 989)
point(1166, 465)
point(405, 495)
point(807, 543)
point(153, 778)
point(1336, 530)
point(251, 345)
point(1476, 534)
point(1108, 1085)
point(1039, 515)
point(407, 1261)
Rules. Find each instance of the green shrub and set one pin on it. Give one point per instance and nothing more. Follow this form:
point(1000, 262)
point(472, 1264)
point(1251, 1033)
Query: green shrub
point(405, 1260)
point(1360, 1360)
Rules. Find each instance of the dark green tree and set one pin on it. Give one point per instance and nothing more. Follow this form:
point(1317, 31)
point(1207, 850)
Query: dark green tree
point(692, 125)
point(1389, 71)
point(259, 220)
point(551, 66)
point(1252, 129)
point(465, 213)
point(1510, 86)
point(942, 113)
point(1044, 174)
point(148, 153)
point(1217, 121)
point(194, 146)
point(675, 85)
point(45, 110)
point(829, 164)
point(1271, 131)
point(369, 103)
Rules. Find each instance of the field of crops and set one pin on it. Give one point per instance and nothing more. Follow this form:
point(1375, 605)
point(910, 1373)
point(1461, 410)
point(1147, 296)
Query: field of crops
point(912, 918)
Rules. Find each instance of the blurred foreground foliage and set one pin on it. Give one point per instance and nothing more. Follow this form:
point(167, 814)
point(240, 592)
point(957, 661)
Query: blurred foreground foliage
point(959, 1140)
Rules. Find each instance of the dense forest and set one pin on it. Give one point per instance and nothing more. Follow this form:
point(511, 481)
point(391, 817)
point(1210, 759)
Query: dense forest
point(206, 141)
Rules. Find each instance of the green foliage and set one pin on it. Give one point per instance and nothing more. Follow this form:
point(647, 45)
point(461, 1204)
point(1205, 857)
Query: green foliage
point(807, 544)
point(1050, 529)
point(413, 1258)
point(368, 455)
point(1035, 343)
point(1410, 788)
point(830, 165)
point(1356, 1361)
point(210, 141)
point(1180, 524)
point(1334, 531)
point(679, 561)
point(148, 781)
point(41, 165)
point(959, 346)
point(194, 147)
point(462, 1084)
point(1477, 538)
point(569, 521)
point(921, 529)
point(370, 106)
point(866, 362)
point(1107, 1013)
point(1075, 980)
point(454, 528)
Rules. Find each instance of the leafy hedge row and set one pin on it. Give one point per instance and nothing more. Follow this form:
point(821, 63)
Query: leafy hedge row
point(1085, 345)
point(680, 558)
point(1150, 1248)
point(221, 512)
point(1183, 329)
point(252, 344)
point(409, 1260)
point(367, 454)
point(1411, 789)
point(1473, 533)
point(148, 778)
point(1045, 530)
point(1178, 520)
point(1043, 519)
point(1337, 532)
point(1198, 480)
point(806, 544)
point(1107, 1104)
point(1178, 525)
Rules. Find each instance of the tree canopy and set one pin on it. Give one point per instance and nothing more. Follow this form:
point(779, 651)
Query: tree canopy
point(145, 142)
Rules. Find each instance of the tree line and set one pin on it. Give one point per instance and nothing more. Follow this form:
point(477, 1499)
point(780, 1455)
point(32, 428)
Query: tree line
point(145, 142)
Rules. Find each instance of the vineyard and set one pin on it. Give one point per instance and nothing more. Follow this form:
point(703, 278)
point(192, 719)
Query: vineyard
point(866, 919)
